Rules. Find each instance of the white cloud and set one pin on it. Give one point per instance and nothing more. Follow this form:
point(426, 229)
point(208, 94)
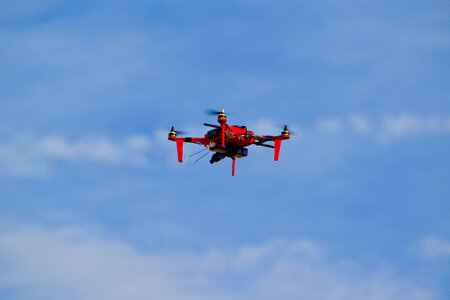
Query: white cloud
point(32, 156)
point(321, 144)
point(100, 149)
point(74, 263)
point(18, 159)
point(138, 142)
point(384, 130)
point(130, 150)
point(330, 124)
point(407, 125)
point(433, 247)
point(392, 128)
point(266, 127)
point(250, 257)
point(360, 124)
point(447, 124)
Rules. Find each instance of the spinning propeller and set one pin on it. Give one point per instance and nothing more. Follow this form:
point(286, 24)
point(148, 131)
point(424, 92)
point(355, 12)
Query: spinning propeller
point(212, 112)
point(174, 133)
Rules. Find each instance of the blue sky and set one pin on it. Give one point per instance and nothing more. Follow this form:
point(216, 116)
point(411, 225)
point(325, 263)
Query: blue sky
point(93, 203)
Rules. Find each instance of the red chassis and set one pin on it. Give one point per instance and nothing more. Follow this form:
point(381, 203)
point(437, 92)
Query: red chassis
point(229, 141)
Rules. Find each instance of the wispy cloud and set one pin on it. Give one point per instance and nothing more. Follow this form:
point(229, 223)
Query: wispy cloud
point(383, 130)
point(433, 247)
point(32, 156)
point(322, 143)
point(407, 125)
point(74, 263)
point(19, 158)
point(388, 129)
point(100, 149)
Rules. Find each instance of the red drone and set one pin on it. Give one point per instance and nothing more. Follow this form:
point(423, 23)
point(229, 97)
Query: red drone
point(228, 140)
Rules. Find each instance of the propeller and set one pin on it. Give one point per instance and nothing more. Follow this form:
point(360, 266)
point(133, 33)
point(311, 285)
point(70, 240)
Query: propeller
point(212, 112)
point(178, 131)
point(291, 132)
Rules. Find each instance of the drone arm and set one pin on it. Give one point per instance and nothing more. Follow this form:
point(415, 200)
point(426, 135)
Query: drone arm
point(193, 140)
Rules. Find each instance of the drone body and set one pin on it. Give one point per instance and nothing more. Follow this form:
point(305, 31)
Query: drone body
point(229, 141)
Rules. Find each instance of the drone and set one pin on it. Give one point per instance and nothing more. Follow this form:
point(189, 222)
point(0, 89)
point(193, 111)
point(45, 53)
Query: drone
point(228, 141)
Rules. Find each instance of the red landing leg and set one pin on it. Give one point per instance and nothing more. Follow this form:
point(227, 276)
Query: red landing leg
point(234, 165)
point(277, 149)
point(180, 150)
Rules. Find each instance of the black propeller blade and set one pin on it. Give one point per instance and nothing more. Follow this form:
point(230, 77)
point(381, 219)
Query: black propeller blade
point(285, 127)
point(292, 132)
point(179, 131)
point(212, 112)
